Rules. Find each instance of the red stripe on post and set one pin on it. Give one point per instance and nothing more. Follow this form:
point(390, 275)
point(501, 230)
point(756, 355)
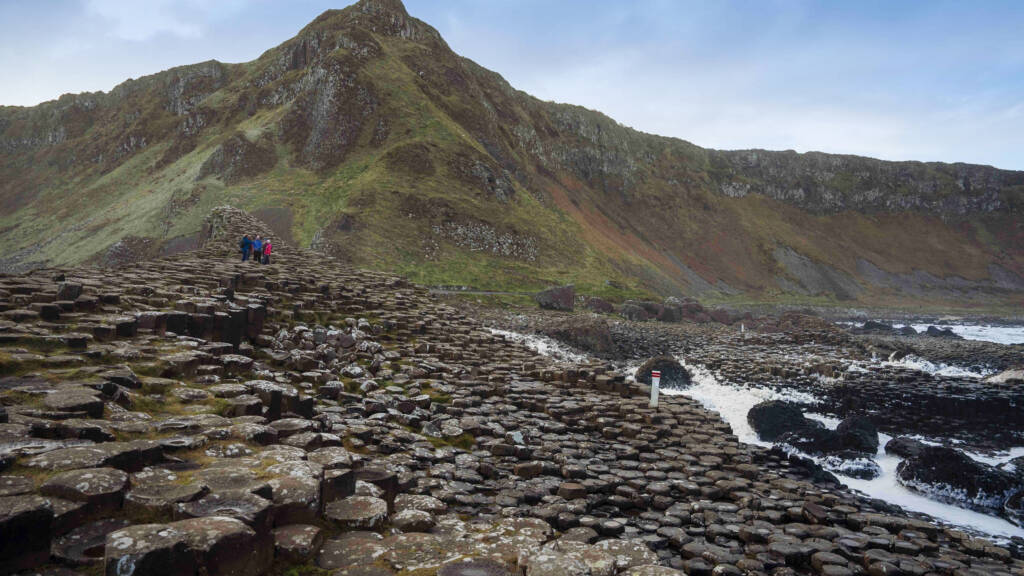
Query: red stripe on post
point(655, 373)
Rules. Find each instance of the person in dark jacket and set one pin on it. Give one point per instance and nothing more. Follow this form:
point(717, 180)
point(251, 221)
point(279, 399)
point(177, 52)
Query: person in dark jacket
point(257, 249)
point(246, 247)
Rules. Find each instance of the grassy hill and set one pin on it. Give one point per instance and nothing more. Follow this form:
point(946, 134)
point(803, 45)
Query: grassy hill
point(366, 136)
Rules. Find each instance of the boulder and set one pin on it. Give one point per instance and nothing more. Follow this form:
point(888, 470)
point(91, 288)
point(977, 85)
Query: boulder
point(673, 374)
point(904, 447)
point(950, 475)
point(876, 327)
point(859, 434)
point(936, 332)
point(773, 418)
point(855, 437)
point(558, 298)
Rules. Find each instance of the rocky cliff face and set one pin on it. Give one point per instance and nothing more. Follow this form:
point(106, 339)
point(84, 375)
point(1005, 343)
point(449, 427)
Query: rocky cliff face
point(366, 134)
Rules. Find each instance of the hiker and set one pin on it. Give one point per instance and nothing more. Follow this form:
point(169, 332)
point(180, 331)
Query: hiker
point(266, 251)
point(246, 247)
point(257, 249)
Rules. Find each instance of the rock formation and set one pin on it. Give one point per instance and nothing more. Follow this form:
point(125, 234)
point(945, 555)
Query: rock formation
point(199, 414)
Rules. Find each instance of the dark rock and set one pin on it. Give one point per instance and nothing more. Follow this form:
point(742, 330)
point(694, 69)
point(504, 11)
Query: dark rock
point(26, 524)
point(904, 447)
point(559, 298)
point(226, 546)
point(673, 374)
point(859, 434)
point(935, 332)
point(156, 549)
point(773, 418)
point(952, 476)
point(84, 545)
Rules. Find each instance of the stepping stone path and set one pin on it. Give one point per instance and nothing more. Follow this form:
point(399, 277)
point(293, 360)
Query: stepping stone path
point(200, 415)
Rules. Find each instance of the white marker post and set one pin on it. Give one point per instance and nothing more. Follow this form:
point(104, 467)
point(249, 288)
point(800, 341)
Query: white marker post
point(655, 380)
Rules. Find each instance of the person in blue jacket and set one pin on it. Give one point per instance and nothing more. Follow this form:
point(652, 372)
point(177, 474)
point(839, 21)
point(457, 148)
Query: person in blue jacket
point(246, 247)
point(257, 249)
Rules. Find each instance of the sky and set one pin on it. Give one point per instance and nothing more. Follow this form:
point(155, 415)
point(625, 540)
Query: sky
point(906, 80)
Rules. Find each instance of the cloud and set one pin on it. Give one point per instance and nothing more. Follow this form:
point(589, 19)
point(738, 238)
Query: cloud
point(136, 20)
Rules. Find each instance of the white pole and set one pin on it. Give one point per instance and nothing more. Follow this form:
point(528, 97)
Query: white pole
point(655, 380)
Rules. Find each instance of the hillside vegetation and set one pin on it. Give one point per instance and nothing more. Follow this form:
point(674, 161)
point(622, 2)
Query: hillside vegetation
point(367, 137)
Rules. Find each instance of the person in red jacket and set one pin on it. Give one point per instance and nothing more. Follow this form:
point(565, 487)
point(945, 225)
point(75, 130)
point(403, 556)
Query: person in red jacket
point(266, 251)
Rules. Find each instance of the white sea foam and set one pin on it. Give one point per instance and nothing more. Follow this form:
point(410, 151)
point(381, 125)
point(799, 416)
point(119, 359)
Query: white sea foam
point(937, 368)
point(983, 332)
point(987, 333)
point(733, 403)
point(544, 346)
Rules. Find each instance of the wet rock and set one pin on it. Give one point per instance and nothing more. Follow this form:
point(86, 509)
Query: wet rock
point(774, 418)
point(559, 298)
point(936, 332)
point(858, 434)
point(854, 467)
point(950, 475)
point(905, 447)
point(673, 374)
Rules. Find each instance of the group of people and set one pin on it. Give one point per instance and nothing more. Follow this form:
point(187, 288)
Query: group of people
point(257, 248)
